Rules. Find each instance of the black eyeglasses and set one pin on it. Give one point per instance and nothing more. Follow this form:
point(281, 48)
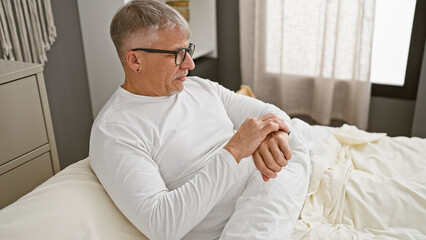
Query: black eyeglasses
point(180, 54)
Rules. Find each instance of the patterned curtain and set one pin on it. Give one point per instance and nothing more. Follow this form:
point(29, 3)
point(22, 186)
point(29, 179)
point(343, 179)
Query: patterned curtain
point(27, 30)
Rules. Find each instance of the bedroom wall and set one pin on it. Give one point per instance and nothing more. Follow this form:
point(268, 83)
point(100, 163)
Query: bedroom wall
point(391, 115)
point(419, 122)
point(228, 42)
point(67, 87)
point(104, 71)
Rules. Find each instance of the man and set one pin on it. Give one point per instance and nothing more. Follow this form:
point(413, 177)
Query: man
point(163, 145)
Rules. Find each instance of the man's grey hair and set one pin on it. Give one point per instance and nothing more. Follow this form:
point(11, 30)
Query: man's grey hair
point(142, 19)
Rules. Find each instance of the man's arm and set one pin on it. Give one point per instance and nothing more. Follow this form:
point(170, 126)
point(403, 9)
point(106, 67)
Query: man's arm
point(124, 166)
point(123, 163)
point(274, 152)
point(252, 133)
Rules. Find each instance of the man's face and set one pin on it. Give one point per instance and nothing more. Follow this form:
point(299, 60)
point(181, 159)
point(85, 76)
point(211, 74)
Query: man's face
point(160, 76)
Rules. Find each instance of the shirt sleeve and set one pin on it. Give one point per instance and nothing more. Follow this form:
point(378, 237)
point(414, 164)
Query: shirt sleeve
point(240, 107)
point(131, 177)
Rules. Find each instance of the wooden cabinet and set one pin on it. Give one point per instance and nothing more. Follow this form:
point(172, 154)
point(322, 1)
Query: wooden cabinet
point(28, 154)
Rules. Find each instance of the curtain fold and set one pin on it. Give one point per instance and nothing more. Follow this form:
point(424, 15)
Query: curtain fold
point(309, 57)
point(27, 30)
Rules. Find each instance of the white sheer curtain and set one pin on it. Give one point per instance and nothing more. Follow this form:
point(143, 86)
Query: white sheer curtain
point(27, 30)
point(309, 57)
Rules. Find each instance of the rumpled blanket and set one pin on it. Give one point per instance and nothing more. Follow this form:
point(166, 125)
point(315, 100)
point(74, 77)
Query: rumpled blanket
point(369, 186)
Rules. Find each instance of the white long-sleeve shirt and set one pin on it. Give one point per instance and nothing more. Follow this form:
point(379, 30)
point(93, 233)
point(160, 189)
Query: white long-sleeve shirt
point(161, 159)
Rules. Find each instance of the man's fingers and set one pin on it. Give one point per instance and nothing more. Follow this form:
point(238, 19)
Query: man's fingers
point(284, 127)
point(269, 127)
point(281, 124)
point(273, 125)
point(278, 156)
point(285, 149)
point(268, 158)
point(265, 178)
point(260, 165)
point(283, 161)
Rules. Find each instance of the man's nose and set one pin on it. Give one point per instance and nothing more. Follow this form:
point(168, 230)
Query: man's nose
point(188, 63)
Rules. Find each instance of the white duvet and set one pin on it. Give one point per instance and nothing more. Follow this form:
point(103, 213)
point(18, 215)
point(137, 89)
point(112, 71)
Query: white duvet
point(369, 186)
point(363, 186)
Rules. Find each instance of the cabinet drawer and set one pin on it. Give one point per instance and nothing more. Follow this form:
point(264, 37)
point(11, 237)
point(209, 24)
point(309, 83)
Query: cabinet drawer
point(22, 126)
point(21, 180)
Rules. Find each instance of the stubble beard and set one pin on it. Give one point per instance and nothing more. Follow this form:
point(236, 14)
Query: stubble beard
point(174, 92)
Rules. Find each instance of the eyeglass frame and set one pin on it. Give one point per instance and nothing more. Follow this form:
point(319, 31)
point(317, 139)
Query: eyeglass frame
point(187, 50)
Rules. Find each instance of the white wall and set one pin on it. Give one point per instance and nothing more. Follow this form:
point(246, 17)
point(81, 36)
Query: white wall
point(104, 70)
point(202, 20)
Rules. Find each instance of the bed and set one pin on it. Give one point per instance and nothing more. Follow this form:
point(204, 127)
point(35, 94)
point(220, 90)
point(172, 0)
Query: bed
point(363, 186)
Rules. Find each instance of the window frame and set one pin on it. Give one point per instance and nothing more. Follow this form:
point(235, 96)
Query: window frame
point(414, 62)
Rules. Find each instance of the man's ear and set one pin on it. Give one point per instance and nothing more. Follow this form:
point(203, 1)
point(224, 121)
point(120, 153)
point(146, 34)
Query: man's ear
point(133, 61)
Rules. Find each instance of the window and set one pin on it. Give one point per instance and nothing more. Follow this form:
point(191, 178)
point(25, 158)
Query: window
point(402, 79)
point(397, 51)
point(391, 41)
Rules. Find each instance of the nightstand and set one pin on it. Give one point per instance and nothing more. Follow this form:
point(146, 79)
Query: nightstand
point(28, 154)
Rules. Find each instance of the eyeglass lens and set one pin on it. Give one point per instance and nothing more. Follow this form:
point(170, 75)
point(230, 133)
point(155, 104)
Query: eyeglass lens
point(180, 56)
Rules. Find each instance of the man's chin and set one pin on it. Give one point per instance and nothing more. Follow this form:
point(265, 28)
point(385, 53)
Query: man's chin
point(177, 88)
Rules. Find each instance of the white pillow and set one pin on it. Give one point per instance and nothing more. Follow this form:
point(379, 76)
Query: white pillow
point(70, 205)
